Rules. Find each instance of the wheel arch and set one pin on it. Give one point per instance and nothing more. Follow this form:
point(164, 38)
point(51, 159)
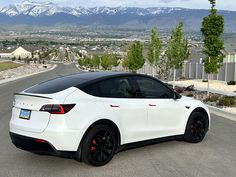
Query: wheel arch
point(202, 110)
point(100, 122)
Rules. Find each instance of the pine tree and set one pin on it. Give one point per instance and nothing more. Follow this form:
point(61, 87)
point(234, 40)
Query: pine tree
point(212, 29)
point(154, 49)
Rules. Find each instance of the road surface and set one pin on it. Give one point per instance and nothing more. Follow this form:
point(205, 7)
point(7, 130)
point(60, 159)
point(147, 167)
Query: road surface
point(214, 157)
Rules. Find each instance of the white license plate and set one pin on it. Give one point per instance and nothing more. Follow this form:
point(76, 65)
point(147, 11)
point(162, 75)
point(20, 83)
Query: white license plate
point(25, 114)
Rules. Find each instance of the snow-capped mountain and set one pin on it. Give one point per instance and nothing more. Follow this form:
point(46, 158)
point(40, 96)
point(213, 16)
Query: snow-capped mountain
point(47, 13)
point(33, 8)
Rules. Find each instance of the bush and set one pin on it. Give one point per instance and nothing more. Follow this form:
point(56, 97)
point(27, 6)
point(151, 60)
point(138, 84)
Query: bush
point(226, 101)
point(231, 83)
point(182, 78)
point(212, 98)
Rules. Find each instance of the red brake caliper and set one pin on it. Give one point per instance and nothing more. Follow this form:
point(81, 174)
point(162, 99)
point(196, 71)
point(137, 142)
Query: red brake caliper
point(193, 128)
point(92, 149)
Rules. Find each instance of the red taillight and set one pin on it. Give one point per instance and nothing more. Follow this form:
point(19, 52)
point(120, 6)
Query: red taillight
point(57, 108)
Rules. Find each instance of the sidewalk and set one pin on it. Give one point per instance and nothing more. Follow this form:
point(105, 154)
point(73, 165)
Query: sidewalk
point(219, 87)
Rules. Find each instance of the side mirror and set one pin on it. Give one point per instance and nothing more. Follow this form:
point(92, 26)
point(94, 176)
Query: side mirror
point(176, 96)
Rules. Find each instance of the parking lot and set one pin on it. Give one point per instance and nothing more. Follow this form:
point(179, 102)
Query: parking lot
point(214, 157)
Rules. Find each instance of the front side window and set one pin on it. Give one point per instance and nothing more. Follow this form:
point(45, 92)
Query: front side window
point(150, 88)
point(111, 88)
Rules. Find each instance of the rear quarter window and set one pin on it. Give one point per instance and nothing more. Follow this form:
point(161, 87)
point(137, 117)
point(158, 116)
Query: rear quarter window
point(56, 85)
point(111, 88)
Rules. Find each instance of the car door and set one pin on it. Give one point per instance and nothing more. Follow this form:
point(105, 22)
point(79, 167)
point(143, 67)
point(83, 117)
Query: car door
point(131, 114)
point(165, 115)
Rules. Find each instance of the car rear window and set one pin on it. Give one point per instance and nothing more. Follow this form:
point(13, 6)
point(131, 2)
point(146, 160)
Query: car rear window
point(56, 85)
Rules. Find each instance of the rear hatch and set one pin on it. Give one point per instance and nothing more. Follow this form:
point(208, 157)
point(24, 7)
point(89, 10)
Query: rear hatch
point(26, 114)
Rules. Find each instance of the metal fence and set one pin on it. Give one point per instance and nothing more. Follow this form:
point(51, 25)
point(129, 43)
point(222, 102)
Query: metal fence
point(194, 71)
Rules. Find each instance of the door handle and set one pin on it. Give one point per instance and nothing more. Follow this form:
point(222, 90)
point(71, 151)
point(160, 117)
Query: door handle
point(114, 106)
point(152, 105)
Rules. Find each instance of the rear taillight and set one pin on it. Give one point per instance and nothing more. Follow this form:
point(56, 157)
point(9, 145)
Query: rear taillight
point(57, 108)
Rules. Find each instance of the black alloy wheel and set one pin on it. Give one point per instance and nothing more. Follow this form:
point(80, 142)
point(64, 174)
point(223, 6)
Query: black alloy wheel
point(99, 146)
point(196, 128)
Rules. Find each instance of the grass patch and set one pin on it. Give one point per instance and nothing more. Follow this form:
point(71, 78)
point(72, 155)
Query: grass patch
point(8, 65)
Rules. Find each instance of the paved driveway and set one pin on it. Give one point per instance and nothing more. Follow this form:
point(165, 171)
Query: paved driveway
point(214, 157)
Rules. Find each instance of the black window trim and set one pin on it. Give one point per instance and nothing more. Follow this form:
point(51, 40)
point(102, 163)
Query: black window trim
point(129, 77)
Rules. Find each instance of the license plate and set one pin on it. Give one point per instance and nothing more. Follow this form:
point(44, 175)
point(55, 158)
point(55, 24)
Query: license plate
point(25, 114)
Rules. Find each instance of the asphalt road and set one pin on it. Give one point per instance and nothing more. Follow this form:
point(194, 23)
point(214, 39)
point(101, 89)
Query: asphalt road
point(214, 157)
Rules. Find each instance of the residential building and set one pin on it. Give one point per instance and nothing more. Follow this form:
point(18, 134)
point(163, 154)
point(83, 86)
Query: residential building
point(20, 52)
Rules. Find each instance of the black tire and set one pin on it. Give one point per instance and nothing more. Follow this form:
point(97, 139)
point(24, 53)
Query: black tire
point(196, 128)
point(99, 145)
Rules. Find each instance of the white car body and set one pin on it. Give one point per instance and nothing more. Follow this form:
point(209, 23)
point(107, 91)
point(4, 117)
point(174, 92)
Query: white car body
point(136, 119)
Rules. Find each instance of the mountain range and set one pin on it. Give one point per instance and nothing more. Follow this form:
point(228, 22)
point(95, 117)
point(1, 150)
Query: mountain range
point(47, 13)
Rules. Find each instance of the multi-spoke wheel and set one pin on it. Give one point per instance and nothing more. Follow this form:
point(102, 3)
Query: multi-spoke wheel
point(99, 145)
point(196, 128)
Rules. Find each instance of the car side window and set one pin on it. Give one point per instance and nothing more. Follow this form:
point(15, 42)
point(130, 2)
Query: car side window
point(111, 88)
point(150, 88)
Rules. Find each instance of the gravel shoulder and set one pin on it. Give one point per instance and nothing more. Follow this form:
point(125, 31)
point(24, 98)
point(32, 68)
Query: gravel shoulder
point(24, 71)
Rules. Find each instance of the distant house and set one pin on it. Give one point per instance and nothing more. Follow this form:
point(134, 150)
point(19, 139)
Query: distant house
point(83, 52)
point(20, 52)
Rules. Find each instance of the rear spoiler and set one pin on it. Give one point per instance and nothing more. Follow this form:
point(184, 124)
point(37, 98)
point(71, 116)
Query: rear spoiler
point(23, 94)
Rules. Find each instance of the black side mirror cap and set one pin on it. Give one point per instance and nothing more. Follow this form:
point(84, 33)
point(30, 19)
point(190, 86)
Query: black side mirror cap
point(176, 96)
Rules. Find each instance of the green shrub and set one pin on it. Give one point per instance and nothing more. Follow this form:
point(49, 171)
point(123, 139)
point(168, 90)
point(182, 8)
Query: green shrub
point(212, 98)
point(182, 78)
point(226, 101)
point(231, 83)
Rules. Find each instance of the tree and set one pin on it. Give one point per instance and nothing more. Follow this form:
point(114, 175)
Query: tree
point(106, 61)
point(154, 49)
point(84, 62)
point(212, 29)
point(20, 41)
point(114, 60)
point(134, 59)
point(177, 50)
point(66, 55)
point(13, 58)
point(95, 61)
point(164, 68)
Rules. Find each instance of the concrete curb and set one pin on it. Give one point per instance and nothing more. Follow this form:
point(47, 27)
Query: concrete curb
point(28, 75)
point(222, 113)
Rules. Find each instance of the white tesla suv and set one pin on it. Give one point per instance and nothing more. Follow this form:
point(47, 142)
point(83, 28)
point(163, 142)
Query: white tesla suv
point(92, 116)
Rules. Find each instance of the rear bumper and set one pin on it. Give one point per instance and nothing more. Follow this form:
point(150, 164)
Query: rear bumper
point(56, 132)
point(38, 146)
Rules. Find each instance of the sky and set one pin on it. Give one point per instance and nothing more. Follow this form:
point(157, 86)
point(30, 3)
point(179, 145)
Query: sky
point(194, 4)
